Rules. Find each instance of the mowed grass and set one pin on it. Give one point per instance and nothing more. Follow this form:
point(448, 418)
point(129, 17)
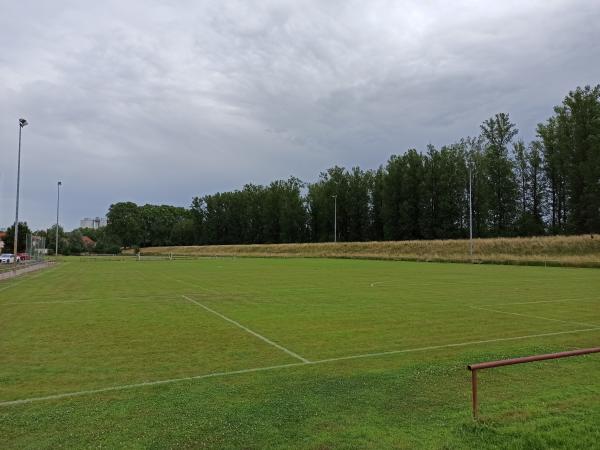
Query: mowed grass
point(353, 354)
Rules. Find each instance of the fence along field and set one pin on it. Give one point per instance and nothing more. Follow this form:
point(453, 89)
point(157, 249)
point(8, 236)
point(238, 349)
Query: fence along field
point(298, 352)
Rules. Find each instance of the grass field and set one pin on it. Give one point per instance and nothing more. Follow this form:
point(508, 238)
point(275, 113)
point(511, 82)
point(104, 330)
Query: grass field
point(296, 353)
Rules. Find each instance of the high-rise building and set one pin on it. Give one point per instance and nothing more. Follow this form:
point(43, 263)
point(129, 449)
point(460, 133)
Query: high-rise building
point(95, 223)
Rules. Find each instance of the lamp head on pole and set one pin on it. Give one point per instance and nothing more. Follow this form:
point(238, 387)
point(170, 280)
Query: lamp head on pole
point(23, 122)
point(60, 183)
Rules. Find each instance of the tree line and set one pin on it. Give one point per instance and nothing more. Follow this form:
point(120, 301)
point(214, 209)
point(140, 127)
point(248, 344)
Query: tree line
point(550, 185)
point(69, 242)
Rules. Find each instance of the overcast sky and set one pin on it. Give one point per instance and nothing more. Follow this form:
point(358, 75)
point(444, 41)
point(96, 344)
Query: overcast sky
point(159, 101)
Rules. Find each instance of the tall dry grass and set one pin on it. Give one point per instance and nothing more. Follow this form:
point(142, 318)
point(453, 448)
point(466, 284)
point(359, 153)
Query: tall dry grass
point(551, 250)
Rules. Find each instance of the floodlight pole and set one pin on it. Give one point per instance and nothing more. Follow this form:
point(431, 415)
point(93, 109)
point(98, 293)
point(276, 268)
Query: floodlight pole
point(334, 218)
point(470, 214)
point(22, 123)
point(58, 185)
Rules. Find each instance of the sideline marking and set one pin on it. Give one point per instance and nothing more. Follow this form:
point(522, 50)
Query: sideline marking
point(566, 300)
point(570, 322)
point(398, 283)
point(14, 284)
point(145, 383)
point(282, 366)
point(458, 344)
point(122, 300)
point(56, 301)
point(248, 330)
point(30, 277)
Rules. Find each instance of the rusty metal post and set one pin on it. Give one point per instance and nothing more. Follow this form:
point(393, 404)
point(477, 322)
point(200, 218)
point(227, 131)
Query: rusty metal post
point(474, 391)
point(527, 359)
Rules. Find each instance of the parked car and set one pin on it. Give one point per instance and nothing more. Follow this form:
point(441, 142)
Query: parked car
point(7, 258)
point(23, 256)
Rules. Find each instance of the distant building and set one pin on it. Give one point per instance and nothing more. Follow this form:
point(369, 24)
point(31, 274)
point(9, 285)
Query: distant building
point(95, 223)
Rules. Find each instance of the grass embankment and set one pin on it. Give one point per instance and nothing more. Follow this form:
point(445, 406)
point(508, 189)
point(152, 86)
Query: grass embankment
point(577, 251)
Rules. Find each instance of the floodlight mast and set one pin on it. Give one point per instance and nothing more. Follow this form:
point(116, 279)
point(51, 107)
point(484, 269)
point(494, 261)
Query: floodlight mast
point(470, 212)
point(22, 123)
point(58, 185)
point(334, 218)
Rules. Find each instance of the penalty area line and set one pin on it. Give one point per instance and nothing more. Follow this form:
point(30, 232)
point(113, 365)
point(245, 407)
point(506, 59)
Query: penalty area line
point(248, 330)
point(282, 366)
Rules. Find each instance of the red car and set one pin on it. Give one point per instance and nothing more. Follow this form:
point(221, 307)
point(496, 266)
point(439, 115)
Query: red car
point(23, 257)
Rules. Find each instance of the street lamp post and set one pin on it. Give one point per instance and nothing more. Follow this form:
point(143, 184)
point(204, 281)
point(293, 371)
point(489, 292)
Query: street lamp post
point(58, 185)
point(22, 123)
point(334, 218)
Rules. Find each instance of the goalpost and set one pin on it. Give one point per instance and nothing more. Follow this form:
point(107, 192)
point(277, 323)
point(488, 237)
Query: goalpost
point(141, 257)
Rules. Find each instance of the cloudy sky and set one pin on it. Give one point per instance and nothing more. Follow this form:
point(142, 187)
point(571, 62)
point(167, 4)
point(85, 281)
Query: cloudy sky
point(159, 101)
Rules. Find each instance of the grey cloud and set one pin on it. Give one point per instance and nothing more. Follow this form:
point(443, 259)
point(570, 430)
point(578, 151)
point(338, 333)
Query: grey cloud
point(161, 101)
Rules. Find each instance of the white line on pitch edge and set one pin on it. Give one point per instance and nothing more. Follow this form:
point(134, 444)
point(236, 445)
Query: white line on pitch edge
point(565, 300)
point(248, 330)
point(145, 383)
point(459, 344)
point(531, 316)
point(23, 277)
point(300, 364)
point(124, 301)
point(51, 302)
point(402, 283)
point(11, 285)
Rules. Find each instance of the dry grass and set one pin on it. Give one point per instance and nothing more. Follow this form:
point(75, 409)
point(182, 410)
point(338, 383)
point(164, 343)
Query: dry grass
point(551, 250)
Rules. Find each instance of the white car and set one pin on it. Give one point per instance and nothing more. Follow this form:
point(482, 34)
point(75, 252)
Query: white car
point(7, 258)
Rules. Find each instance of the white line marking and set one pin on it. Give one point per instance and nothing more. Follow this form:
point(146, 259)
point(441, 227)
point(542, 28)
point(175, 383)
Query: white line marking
point(403, 283)
point(459, 344)
point(14, 284)
point(585, 299)
point(24, 276)
point(570, 322)
point(261, 369)
point(248, 330)
point(145, 383)
point(131, 300)
point(56, 301)
point(123, 301)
